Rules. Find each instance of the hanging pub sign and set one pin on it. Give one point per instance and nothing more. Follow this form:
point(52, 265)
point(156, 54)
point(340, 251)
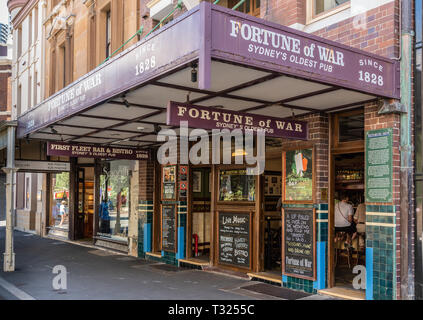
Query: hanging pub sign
point(298, 245)
point(297, 176)
point(214, 118)
point(63, 149)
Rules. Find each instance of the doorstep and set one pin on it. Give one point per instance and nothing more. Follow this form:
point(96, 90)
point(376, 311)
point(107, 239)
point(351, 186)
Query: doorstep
point(344, 293)
point(156, 255)
point(266, 276)
point(194, 263)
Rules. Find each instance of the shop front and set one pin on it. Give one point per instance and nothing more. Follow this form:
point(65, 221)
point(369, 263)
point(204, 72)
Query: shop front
point(318, 104)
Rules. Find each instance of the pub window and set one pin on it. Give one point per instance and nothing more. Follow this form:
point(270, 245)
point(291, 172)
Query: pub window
point(108, 34)
point(30, 31)
point(20, 190)
point(321, 8)
point(251, 7)
point(62, 67)
point(35, 24)
point(351, 127)
point(27, 195)
point(236, 185)
point(19, 49)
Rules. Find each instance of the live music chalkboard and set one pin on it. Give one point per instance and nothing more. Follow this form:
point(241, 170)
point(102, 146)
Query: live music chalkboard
point(169, 228)
point(234, 239)
point(298, 245)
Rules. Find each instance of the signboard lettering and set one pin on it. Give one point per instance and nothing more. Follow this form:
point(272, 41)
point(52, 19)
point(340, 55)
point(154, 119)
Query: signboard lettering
point(213, 118)
point(379, 165)
point(168, 228)
point(298, 258)
point(234, 239)
point(92, 151)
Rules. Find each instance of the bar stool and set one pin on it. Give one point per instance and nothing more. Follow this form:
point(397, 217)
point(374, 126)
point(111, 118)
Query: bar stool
point(340, 238)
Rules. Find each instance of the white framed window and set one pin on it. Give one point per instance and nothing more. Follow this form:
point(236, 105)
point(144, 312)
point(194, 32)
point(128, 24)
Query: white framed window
point(319, 9)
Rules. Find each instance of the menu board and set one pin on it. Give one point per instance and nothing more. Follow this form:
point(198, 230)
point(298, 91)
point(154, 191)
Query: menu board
point(379, 165)
point(298, 254)
point(169, 228)
point(234, 239)
point(298, 175)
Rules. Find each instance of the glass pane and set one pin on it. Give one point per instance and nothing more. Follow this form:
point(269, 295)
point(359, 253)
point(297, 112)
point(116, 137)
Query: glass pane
point(236, 185)
point(257, 4)
point(321, 6)
point(351, 128)
point(115, 191)
point(60, 200)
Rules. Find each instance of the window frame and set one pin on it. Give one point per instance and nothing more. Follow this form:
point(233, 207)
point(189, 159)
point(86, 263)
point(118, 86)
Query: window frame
point(108, 33)
point(253, 10)
point(311, 17)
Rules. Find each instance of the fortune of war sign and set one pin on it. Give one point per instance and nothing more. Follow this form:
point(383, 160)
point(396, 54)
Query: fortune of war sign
point(95, 151)
point(214, 118)
point(284, 49)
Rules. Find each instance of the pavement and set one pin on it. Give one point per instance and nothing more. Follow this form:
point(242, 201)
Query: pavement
point(93, 273)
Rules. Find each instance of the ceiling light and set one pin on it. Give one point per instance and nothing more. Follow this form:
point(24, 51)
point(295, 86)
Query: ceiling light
point(140, 128)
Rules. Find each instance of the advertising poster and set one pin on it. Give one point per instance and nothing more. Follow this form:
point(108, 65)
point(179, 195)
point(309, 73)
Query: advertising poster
point(298, 175)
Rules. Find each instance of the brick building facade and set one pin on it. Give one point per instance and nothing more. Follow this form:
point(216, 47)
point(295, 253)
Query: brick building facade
point(79, 36)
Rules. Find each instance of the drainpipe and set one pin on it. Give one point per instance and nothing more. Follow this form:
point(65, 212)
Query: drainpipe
point(9, 255)
point(406, 149)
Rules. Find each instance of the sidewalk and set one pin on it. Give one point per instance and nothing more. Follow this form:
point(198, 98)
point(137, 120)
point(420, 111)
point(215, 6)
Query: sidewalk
point(98, 274)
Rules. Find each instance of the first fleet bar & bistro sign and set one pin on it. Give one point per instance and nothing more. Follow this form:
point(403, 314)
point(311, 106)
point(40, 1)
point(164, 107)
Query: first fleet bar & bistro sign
point(92, 151)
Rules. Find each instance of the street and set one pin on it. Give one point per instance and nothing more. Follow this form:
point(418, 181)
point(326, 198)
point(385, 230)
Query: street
point(94, 273)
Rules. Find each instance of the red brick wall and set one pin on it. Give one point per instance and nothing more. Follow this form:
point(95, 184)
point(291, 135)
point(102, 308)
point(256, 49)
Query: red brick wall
point(378, 32)
point(146, 178)
point(285, 12)
point(318, 125)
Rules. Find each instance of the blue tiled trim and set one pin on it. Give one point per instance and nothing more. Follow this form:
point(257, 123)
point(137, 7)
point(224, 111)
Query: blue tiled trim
point(369, 273)
point(284, 278)
point(147, 237)
point(320, 283)
point(181, 243)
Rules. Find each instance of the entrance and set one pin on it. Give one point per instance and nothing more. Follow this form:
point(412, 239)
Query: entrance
point(272, 192)
point(201, 213)
point(84, 218)
point(349, 200)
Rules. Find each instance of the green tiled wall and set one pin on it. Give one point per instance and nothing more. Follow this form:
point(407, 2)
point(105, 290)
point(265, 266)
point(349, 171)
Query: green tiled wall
point(382, 239)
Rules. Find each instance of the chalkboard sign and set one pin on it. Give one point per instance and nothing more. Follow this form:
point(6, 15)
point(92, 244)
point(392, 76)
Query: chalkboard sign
point(169, 228)
point(298, 247)
point(234, 239)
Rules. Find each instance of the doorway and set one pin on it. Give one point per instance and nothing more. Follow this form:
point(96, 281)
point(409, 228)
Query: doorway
point(272, 192)
point(84, 218)
point(346, 200)
point(349, 199)
point(201, 213)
